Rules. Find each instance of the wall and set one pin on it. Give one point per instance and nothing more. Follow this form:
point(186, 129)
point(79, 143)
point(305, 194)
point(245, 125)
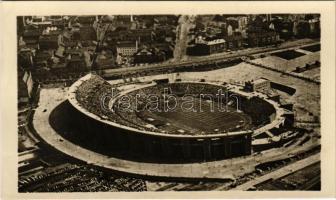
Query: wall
point(129, 144)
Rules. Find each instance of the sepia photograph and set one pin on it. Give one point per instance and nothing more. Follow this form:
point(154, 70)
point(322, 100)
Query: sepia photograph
point(204, 102)
point(169, 102)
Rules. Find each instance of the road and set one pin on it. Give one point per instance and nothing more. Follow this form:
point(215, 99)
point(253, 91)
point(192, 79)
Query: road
point(281, 172)
point(203, 59)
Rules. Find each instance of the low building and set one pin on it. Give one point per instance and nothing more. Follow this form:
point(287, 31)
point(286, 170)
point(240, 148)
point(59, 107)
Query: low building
point(47, 42)
point(25, 57)
point(308, 28)
point(167, 48)
point(42, 58)
point(40, 21)
point(259, 85)
point(31, 37)
point(142, 35)
point(203, 47)
point(70, 44)
point(59, 22)
point(86, 20)
point(164, 33)
point(149, 55)
point(87, 33)
point(234, 41)
point(25, 87)
point(75, 60)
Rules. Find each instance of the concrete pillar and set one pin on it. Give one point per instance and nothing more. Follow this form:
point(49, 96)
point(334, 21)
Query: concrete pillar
point(186, 149)
point(248, 144)
point(148, 147)
point(133, 145)
point(166, 147)
point(207, 149)
point(119, 141)
point(217, 145)
point(227, 148)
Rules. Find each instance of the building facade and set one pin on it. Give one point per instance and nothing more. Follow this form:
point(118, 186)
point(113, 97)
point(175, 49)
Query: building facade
point(127, 49)
point(257, 39)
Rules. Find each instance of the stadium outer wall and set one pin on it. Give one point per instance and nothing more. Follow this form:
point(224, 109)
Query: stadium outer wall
point(135, 143)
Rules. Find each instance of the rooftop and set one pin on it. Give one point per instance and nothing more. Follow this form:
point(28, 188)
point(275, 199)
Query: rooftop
point(260, 80)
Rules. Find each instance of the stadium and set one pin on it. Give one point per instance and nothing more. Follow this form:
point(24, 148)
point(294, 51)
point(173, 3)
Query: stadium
point(251, 121)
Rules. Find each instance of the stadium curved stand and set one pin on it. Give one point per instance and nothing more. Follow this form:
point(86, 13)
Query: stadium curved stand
point(89, 94)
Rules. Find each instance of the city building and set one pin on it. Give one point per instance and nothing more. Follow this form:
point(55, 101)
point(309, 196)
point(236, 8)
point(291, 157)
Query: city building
point(149, 55)
point(25, 57)
point(47, 42)
point(40, 21)
point(75, 60)
point(203, 47)
point(31, 36)
point(86, 20)
point(257, 39)
point(142, 35)
point(234, 41)
point(25, 87)
point(127, 48)
point(87, 33)
point(42, 58)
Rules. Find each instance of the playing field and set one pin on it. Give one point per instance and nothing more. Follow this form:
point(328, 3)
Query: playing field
point(206, 117)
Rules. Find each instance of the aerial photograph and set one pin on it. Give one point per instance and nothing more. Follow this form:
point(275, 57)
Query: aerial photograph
point(138, 103)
